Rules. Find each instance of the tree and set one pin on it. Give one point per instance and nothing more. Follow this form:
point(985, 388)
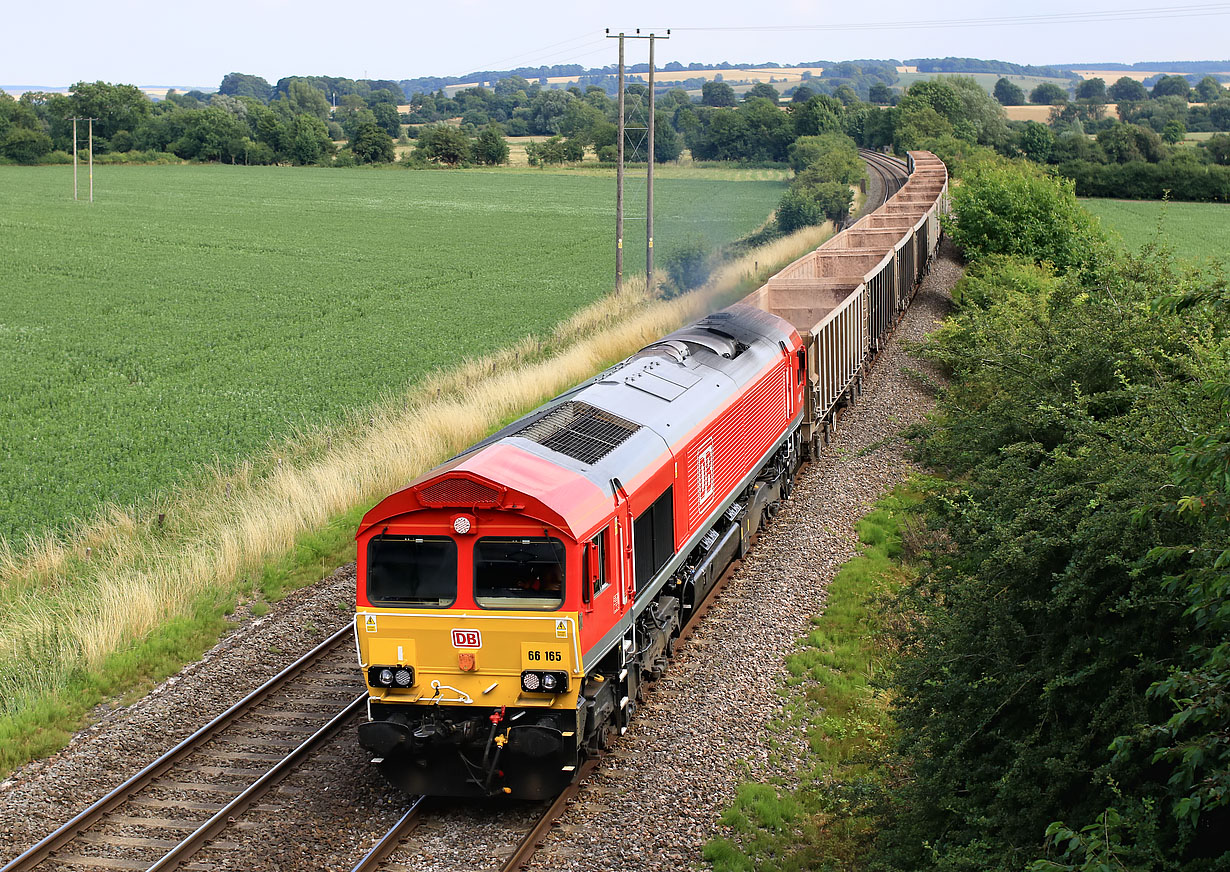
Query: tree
point(802, 94)
point(302, 98)
point(797, 210)
point(937, 93)
point(880, 93)
point(1091, 89)
point(371, 144)
point(490, 147)
point(760, 89)
point(116, 107)
point(25, 145)
point(1219, 148)
point(387, 118)
point(832, 157)
point(1173, 132)
point(717, 94)
point(210, 134)
point(1171, 86)
point(1004, 209)
point(1209, 90)
point(1048, 94)
point(1124, 143)
point(245, 85)
point(819, 114)
point(1127, 90)
point(443, 143)
point(1009, 93)
point(667, 143)
point(1037, 141)
point(309, 139)
point(688, 265)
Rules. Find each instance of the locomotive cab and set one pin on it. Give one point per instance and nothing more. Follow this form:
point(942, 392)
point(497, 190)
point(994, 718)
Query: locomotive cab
point(467, 632)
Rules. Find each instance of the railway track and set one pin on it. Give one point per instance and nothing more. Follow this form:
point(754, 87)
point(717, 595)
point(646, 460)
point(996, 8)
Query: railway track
point(380, 853)
point(163, 815)
point(888, 175)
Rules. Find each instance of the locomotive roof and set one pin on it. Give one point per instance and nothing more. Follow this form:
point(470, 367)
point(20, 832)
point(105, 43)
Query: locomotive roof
point(558, 462)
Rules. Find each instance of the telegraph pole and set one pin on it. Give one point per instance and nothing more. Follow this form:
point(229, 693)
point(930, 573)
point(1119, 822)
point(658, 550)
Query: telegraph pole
point(91, 121)
point(619, 170)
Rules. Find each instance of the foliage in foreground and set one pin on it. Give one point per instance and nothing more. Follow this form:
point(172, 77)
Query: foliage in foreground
point(1061, 692)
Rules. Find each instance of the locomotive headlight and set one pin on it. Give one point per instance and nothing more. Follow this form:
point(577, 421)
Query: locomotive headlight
point(390, 676)
point(537, 681)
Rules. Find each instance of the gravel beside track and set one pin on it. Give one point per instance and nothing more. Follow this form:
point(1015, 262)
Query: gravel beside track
point(654, 802)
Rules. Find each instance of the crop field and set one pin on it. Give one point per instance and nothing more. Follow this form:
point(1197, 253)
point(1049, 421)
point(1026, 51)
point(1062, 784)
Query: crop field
point(1196, 231)
point(196, 314)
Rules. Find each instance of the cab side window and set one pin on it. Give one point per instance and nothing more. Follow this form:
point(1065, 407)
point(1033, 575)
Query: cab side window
point(596, 568)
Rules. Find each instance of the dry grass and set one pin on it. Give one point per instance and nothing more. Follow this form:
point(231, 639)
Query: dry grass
point(71, 602)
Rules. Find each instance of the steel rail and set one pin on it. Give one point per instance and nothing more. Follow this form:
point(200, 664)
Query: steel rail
point(87, 818)
point(383, 849)
point(224, 816)
point(533, 840)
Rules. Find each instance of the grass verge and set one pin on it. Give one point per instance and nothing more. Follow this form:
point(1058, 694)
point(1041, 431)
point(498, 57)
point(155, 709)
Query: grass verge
point(130, 598)
point(829, 743)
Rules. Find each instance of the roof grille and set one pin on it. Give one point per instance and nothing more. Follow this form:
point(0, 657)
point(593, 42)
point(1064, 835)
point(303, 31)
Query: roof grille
point(459, 492)
point(580, 431)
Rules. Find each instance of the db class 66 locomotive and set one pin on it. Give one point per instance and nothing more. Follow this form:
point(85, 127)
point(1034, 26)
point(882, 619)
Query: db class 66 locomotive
point(511, 602)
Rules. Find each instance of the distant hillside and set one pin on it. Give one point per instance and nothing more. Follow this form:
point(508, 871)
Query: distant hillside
point(1169, 66)
point(977, 65)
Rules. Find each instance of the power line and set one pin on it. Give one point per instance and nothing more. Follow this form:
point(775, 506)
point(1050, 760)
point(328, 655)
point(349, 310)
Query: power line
point(1138, 14)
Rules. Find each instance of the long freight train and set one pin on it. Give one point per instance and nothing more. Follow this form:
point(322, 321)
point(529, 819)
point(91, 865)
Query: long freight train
point(511, 602)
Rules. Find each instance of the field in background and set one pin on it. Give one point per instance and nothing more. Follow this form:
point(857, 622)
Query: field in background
point(1197, 231)
point(987, 80)
point(201, 312)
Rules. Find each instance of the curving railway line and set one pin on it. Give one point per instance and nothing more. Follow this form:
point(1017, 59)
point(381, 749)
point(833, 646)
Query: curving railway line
point(192, 797)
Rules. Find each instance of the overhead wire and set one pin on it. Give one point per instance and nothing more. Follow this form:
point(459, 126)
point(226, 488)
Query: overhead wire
point(1135, 14)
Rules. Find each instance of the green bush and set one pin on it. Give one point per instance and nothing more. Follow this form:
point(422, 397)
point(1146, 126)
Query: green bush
point(798, 209)
point(688, 265)
point(1006, 208)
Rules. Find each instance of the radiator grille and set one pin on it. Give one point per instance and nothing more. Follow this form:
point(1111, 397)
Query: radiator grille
point(580, 431)
point(459, 492)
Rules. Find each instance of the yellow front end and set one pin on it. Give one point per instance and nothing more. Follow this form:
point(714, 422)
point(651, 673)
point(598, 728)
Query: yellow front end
point(467, 658)
point(487, 704)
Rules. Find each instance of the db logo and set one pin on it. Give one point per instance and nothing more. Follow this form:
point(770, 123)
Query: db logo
point(467, 639)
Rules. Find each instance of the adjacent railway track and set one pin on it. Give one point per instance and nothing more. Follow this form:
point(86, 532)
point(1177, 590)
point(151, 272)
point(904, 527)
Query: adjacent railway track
point(185, 799)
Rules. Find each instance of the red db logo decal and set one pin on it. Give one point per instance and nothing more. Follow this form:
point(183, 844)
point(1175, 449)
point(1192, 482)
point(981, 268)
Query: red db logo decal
point(467, 639)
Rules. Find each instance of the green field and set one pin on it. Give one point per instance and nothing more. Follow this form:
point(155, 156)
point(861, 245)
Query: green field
point(194, 313)
point(1196, 231)
point(987, 80)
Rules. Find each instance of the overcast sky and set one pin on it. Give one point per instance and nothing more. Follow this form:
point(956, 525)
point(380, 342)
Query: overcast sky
point(196, 44)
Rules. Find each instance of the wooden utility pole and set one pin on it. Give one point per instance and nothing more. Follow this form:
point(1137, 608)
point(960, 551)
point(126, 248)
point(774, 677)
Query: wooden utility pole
point(619, 169)
point(91, 121)
point(649, 183)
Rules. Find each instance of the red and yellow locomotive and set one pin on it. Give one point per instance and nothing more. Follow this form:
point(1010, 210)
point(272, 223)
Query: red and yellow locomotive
point(511, 601)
